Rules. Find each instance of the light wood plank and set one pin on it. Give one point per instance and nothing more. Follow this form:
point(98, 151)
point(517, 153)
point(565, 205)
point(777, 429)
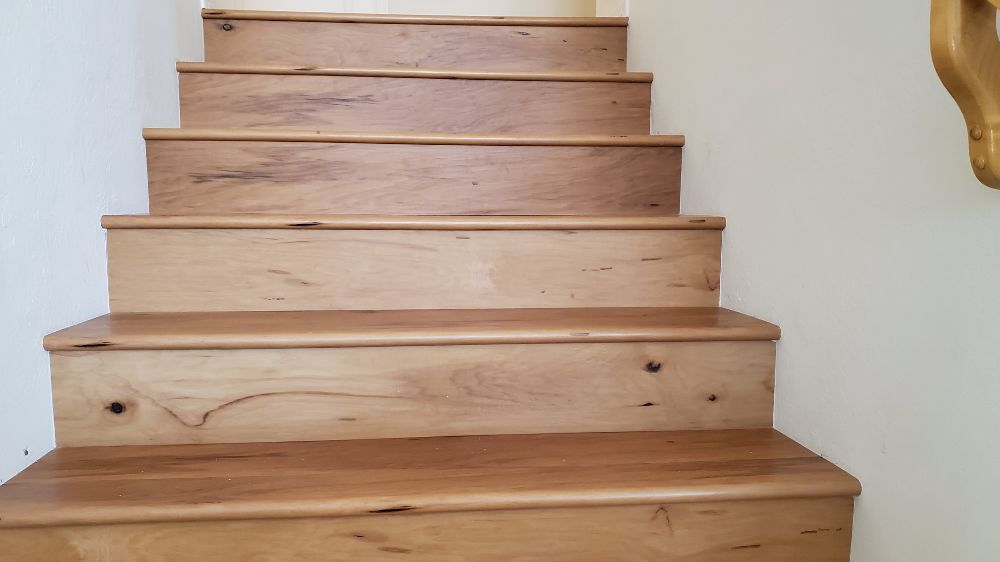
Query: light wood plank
point(449, 139)
point(763, 531)
point(213, 177)
point(346, 328)
point(219, 270)
point(513, 45)
point(277, 15)
point(413, 104)
point(234, 396)
point(185, 67)
point(145, 484)
point(397, 222)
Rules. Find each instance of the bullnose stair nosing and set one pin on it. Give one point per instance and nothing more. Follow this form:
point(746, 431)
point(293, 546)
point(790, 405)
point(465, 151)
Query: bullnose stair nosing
point(412, 222)
point(314, 479)
point(389, 328)
point(404, 72)
point(293, 135)
point(327, 17)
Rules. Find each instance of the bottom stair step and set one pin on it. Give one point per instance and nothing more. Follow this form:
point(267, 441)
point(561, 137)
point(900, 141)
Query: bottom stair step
point(743, 495)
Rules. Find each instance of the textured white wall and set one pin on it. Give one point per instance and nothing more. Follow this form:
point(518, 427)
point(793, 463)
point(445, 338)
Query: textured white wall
point(821, 131)
point(447, 7)
point(80, 81)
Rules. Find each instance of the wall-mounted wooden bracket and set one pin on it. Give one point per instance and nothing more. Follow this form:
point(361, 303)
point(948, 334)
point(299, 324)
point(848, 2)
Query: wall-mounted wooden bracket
point(966, 53)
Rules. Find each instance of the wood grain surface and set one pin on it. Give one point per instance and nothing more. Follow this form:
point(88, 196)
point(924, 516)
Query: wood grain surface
point(146, 484)
point(413, 222)
point(429, 19)
point(813, 530)
point(369, 137)
point(513, 46)
point(213, 177)
point(358, 328)
point(233, 396)
point(359, 103)
point(187, 67)
point(239, 269)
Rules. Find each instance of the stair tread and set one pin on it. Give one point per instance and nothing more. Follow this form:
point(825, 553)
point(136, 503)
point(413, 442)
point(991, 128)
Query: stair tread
point(103, 485)
point(362, 137)
point(404, 72)
point(359, 328)
point(414, 222)
point(330, 17)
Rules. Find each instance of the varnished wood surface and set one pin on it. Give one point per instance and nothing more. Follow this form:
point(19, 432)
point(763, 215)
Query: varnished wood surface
point(101, 485)
point(254, 395)
point(185, 270)
point(430, 73)
point(213, 177)
point(966, 54)
point(809, 530)
point(396, 222)
point(407, 104)
point(269, 15)
point(506, 44)
point(352, 328)
point(296, 136)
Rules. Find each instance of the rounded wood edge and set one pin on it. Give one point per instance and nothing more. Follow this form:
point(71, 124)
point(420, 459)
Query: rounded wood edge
point(827, 486)
point(430, 73)
point(210, 13)
point(399, 222)
point(379, 338)
point(282, 135)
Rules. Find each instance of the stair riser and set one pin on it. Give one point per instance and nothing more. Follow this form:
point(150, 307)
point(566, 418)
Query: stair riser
point(186, 270)
point(813, 530)
point(204, 177)
point(231, 396)
point(415, 45)
point(356, 103)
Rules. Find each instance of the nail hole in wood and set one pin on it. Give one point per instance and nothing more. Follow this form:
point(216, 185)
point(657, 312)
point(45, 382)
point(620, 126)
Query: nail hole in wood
point(712, 398)
point(116, 408)
point(653, 367)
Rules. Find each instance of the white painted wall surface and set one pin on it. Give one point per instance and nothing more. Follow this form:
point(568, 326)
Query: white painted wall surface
point(446, 7)
point(821, 131)
point(80, 81)
point(612, 8)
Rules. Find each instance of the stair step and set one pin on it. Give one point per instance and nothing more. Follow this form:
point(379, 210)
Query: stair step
point(414, 100)
point(361, 328)
point(131, 379)
point(497, 43)
point(201, 264)
point(678, 492)
point(216, 171)
point(398, 222)
point(104, 485)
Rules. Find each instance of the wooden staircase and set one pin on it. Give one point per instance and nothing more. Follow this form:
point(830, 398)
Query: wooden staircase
point(416, 288)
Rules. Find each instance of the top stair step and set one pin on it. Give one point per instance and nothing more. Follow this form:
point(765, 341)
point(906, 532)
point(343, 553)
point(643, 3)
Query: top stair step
point(479, 42)
point(429, 19)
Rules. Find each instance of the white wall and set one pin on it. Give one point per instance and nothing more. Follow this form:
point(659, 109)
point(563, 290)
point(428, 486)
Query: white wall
point(80, 81)
point(821, 131)
point(447, 7)
point(612, 8)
